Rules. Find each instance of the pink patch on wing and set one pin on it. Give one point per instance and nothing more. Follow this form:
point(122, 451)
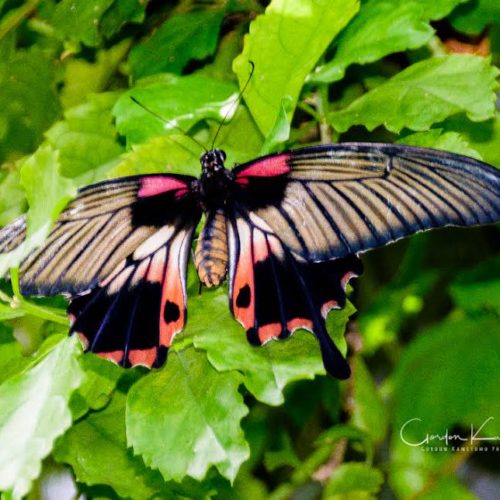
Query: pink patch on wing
point(144, 357)
point(346, 278)
point(155, 185)
point(296, 323)
point(115, 356)
point(327, 306)
point(268, 332)
point(268, 167)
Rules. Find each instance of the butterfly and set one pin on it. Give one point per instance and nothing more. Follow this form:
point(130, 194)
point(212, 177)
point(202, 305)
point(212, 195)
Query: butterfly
point(286, 228)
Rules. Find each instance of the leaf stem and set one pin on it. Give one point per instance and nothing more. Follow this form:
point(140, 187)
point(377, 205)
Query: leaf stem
point(325, 130)
point(15, 17)
point(309, 110)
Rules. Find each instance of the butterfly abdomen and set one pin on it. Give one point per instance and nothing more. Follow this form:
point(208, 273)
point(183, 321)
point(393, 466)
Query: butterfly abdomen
point(211, 255)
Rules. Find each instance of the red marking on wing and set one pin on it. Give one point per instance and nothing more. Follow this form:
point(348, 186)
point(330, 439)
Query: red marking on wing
point(346, 278)
point(268, 332)
point(296, 323)
point(268, 167)
point(173, 291)
point(154, 185)
point(115, 356)
point(157, 267)
point(244, 277)
point(144, 357)
point(327, 306)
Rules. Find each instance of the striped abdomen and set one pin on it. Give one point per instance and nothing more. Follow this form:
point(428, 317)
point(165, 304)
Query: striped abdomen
point(211, 255)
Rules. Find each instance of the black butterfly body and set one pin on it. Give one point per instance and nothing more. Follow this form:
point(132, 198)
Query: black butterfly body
point(286, 228)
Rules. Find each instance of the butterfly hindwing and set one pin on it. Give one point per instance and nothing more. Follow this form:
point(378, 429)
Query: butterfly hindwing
point(132, 316)
point(273, 292)
point(335, 200)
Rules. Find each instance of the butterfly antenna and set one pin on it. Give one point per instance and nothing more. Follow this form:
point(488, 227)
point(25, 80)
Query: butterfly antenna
point(238, 98)
point(167, 122)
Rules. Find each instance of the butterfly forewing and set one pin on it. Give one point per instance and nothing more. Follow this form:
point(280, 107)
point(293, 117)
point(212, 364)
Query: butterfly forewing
point(348, 198)
point(13, 235)
point(102, 227)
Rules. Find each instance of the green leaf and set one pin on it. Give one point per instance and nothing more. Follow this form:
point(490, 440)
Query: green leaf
point(177, 41)
point(12, 197)
point(484, 137)
point(473, 17)
point(438, 356)
point(82, 78)
point(28, 100)
point(196, 415)
point(79, 19)
point(120, 13)
point(34, 413)
point(354, 478)
point(97, 444)
point(425, 93)
point(478, 289)
point(47, 192)
point(280, 131)
point(11, 359)
point(368, 411)
point(383, 27)
point(179, 101)
point(86, 139)
point(101, 378)
point(159, 155)
point(285, 44)
point(437, 139)
point(240, 138)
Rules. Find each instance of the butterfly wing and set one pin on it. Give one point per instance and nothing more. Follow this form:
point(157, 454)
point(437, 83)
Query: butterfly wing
point(301, 217)
point(132, 316)
point(101, 227)
point(274, 292)
point(335, 200)
point(13, 235)
point(120, 251)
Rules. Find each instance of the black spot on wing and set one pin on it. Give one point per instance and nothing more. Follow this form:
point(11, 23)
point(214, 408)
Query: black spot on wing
point(171, 312)
point(244, 296)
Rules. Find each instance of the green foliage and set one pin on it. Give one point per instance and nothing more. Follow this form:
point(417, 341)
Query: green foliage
point(180, 39)
point(34, 413)
point(284, 44)
point(224, 419)
point(189, 415)
point(381, 28)
point(425, 93)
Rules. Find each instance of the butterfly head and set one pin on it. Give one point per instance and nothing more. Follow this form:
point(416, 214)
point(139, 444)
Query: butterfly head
point(212, 162)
